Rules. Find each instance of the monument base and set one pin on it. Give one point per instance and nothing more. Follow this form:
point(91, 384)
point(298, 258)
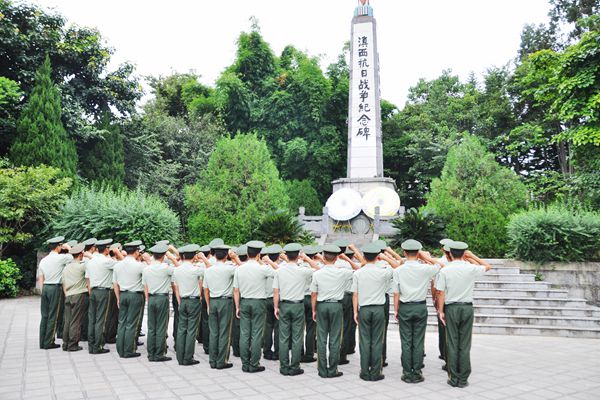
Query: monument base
point(363, 185)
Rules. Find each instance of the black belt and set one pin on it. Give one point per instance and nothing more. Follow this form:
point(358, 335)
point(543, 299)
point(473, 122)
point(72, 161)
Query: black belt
point(101, 288)
point(459, 303)
point(222, 297)
point(132, 291)
point(191, 297)
point(413, 302)
point(329, 301)
point(158, 294)
point(52, 284)
point(292, 301)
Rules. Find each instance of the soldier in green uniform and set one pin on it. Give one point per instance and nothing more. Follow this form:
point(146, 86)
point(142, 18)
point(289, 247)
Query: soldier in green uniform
point(99, 270)
point(112, 322)
point(308, 350)
point(327, 291)
point(410, 291)
point(156, 278)
point(369, 285)
point(61, 309)
point(441, 327)
point(385, 263)
point(127, 281)
point(188, 285)
point(351, 336)
point(289, 286)
point(218, 292)
point(455, 284)
point(271, 332)
point(50, 278)
point(89, 251)
point(203, 331)
point(76, 289)
point(242, 253)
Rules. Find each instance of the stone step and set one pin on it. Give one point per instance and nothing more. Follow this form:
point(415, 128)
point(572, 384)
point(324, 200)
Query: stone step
point(496, 261)
point(534, 311)
point(522, 301)
point(503, 270)
point(509, 293)
point(507, 277)
point(512, 285)
point(498, 319)
point(529, 330)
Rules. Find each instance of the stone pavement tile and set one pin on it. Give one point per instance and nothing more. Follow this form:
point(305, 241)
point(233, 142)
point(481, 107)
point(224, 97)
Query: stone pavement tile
point(133, 396)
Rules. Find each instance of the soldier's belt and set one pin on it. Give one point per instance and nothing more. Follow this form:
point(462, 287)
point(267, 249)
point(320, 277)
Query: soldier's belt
point(191, 297)
point(459, 303)
point(222, 297)
point(100, 288)
point(329, 301)
point(52, 284)
point(413, 302)
point(292, 301)
point(132, 291)
point(158, 294)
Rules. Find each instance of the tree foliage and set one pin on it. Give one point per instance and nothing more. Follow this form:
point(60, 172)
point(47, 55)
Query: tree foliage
point(419, 224)
point(303, 194)
point(10, 101)
point(280, 227)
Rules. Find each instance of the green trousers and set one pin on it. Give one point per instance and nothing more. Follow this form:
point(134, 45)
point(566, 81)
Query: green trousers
point(187, 329)
point(97, 314)
point(441, 338)
point(329, 326)
point(459, 331)
point(140, 318)
point(271, 331)
point(371, 330)
point(85, 321)
point(204, 331)
point(291, 328)
point(252, 329)
point(412, 319)
point(129, 314)
point(352, 336)
point(386, 310)
point(50, 304)
point(158, 322)
point(310, 327)
point(235, 336)
point(74, 311)
point(61, 315)
point(219, 324)
point(175, 316)
point(348, 316)
point(112, 319)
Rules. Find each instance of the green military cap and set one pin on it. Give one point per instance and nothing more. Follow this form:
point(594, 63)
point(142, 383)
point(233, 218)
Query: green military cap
point(381, 243)
point(165, 242)
point(72, 243)
point(104, 242)
point(371, 248)
point(256, 244)
point(318, 248)
point(349, 252)
point(274, 249)
point(342, 243)
point(135, 243)
point(77, 248)
point(90, 241)
point(189, 248)
point(216, 242)
point(446, 241)
point(56, 240)
point(242, 250)
point(221, 247)
point(205, 248)
point(158, 249)
point(446, 247)
point(411, 245)
point(141, 247)
point(458, 246)
point(309, 250)
point(292, 247)
point(116, 246)
point(332, 249)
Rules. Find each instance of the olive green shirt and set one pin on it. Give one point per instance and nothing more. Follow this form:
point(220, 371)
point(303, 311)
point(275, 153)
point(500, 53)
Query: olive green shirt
point(251, 279)
point(52, 266)
point(127, 273)
point(157, 277)
point(188, 278)
point(218, 279)
point(73, 278)
point(99, 269)
point(309, 278)
point(412, 279)
point(329, 282)
point(371, 284)
point(387, 266)
point(457, 281)
point(345, 265)
point(291, 280)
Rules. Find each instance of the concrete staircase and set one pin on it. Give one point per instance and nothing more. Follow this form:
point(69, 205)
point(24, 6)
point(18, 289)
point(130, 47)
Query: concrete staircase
point(358, 240)
point(510, 303)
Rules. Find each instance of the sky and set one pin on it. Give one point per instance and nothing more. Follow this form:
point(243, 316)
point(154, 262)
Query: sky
point(416, 39)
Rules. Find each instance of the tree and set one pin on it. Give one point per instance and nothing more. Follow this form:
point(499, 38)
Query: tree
point(178, 94)
point(10, 101)
point(475, 197)
point(303, 194)
point(41, 137)
point(238, 188)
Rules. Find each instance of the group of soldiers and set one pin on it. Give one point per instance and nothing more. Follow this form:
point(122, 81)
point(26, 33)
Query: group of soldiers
point(287, 303)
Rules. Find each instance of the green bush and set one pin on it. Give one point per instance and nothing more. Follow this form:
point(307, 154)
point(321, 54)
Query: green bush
point(476, 196)
point(123, 215)
point(554, 234)
point(419, 224)
point(9, 275)
point(303, 194)
point(280, 227)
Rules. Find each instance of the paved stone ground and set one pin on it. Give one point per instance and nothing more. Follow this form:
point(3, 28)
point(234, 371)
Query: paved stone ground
point(504, 367)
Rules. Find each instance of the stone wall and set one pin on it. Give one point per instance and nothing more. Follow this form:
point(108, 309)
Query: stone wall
point(581, 279)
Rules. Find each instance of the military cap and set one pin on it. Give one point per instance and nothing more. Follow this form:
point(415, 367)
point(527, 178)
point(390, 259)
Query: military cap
point(205, 248)
point(135, 243)
point(104, 242)
point(371, 248)
point(242, 250)
point(411, 245)
point(292, 247)
point(72, 243)
point(116, 246)
point(221, 247)
point(158, 249)
point(381, 243)
point(165, 242)
point(256, 244)
point(332, 249)
point(216, 242)
point(56, 240)
point(458, 246)
point(90, 241)
point(189, 248)
point(309, 250)
point(446, 247)
point(141, 247)
point(318, 248)
point(342, 243)
point(446, 241)
point(76, 249)
point(274, 249)
point(349, 252)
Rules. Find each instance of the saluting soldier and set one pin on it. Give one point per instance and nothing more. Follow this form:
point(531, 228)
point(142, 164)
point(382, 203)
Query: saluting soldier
point(50, 278)
point(351, 336)
point(410, 291)
point(441, 327)
point(242, 254)
point(89, 251)
point(188, 285)
point(99, 270)
point(384, 263)
point(156, 278)
point(271, 332)
point(309, 262)
point(218, 292)
point(455, 285)
point(61, 309)
point(327, 291)
point(369, 285)
point(112, 321)
point(289, 286)
point(203, 331)
point(76, 289)
point(127, 281)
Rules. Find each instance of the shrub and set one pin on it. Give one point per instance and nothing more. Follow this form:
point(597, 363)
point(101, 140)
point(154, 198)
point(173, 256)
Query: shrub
point(123, 215)
point(419, 224)
point(475, 197)
point(279, 227)
point(554, 234)
point(9, 275)
point(303, 194)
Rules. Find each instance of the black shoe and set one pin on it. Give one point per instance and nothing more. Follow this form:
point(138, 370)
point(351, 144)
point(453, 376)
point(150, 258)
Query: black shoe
point(102, 351)
point(406, 378)
point(268, 356)
point(225, 366)
point(162, 359)
point(284, 373)
point(236, 355)
point(295, 372)
point(463, 385)
point(418, 378)
point(244, 368)
point(78, 348)
point(132, 355)
point(378, 378)
point(258, 369)
point(343, 362)
point(449, 382)
point(206, 352)
point(275, 357)
point(385, 364)
point(308, 359)
point(139, 343)
point(193, 362)
point(213, 366)
point(323, 376)
point(53, 346)
point(351, 352)
point(441, 357)
point(336, 375)
point(445, 367)
point(142, 334)
point(364, 377)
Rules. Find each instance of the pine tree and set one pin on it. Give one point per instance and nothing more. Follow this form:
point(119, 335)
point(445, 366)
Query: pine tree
point(41, 136)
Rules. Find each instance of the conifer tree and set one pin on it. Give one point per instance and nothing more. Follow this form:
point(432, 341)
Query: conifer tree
point(41, 137)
